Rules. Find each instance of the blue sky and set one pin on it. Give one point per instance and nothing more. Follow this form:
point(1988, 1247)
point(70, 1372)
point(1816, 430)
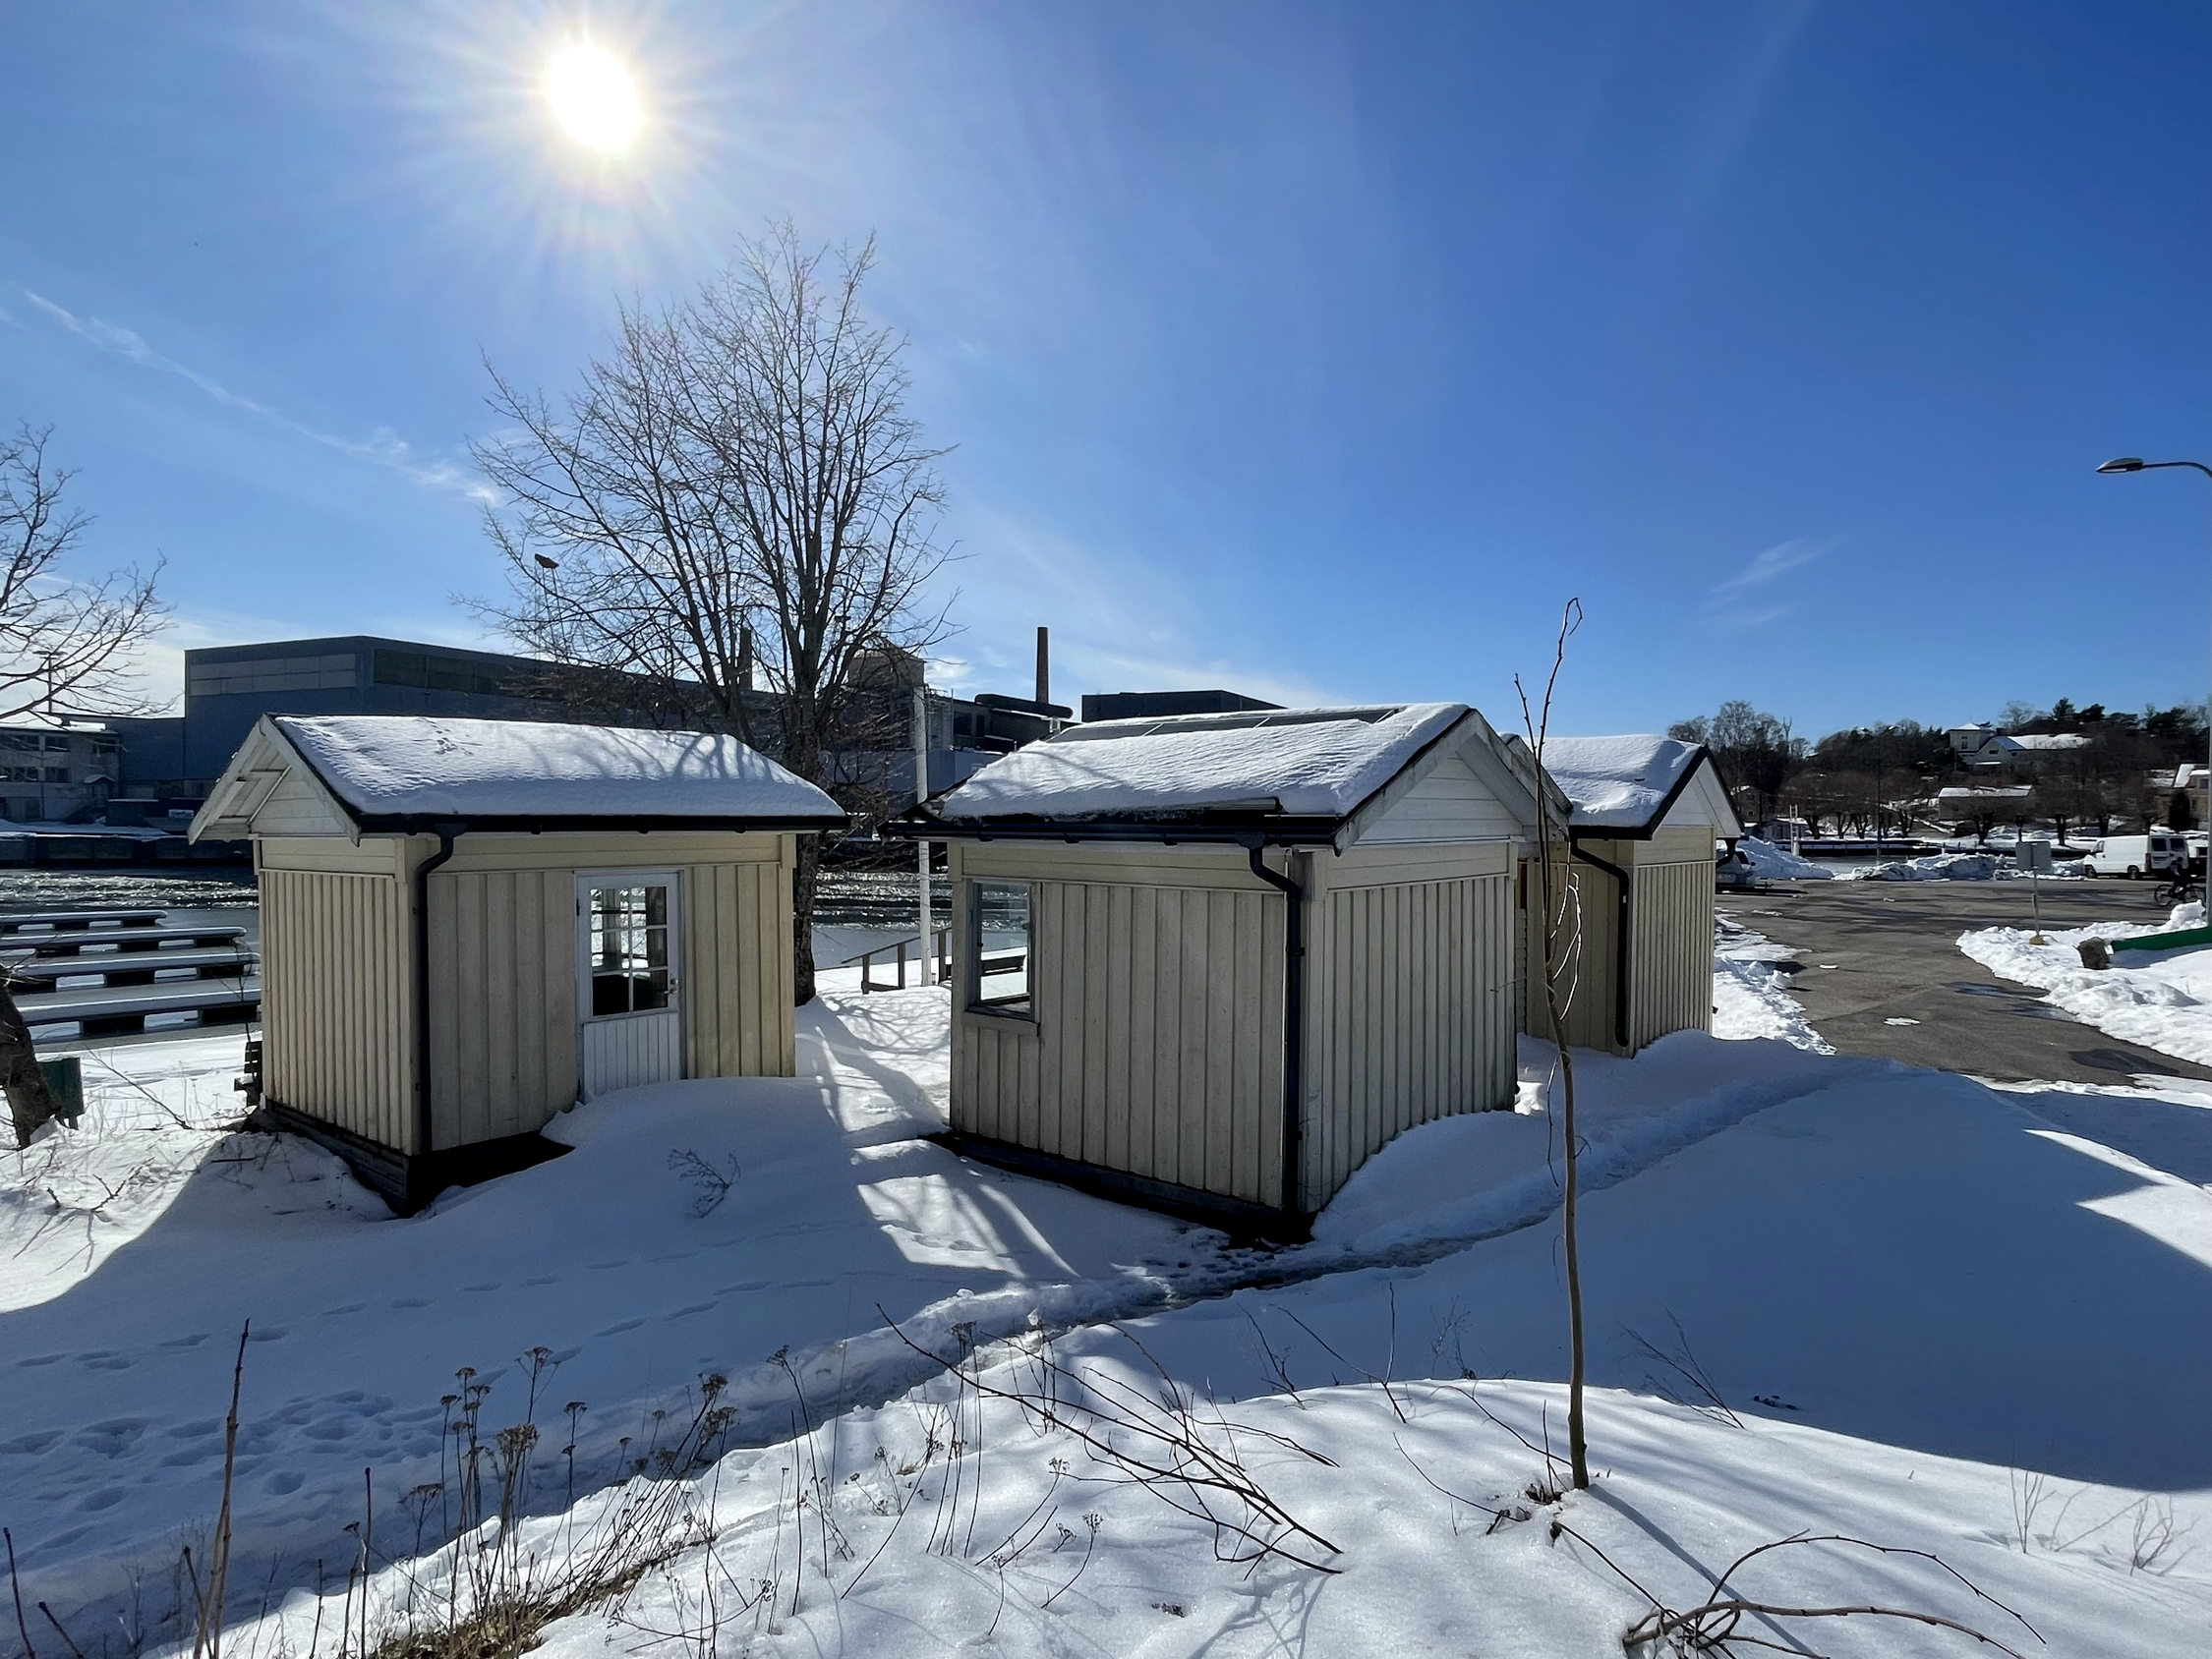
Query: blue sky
point(1320, 352)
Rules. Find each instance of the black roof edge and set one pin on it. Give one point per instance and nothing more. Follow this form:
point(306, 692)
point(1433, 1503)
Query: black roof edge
point(1219, 831)
point(427, 824)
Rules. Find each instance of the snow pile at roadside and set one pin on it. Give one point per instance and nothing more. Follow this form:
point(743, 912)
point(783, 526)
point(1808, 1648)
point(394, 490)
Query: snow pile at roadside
point(2162, 1000)
point(1750, 990)
point(1776, 1347)
point(1780, 864)
point(1937, 867)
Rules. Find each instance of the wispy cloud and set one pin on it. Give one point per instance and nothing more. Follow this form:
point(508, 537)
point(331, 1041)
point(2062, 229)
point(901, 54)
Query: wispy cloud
point(1743, 601)
point(383, 447)
point(1767, 566)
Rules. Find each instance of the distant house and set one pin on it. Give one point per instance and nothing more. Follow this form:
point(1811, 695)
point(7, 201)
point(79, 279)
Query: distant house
point(1649, 813)
point(1982, 806)
point(1981, 747)
point(470, 925)
point(1216, 962)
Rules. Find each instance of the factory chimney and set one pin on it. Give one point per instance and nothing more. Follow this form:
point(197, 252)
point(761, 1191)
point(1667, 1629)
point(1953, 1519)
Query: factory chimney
point(1044, 666)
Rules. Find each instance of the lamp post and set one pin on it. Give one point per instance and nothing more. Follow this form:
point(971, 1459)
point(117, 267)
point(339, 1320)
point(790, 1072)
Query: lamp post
point(2135, 464)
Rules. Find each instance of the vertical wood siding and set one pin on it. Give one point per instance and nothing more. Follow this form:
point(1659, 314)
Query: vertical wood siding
point(1671, 951)
point(503, 984)
point(1587, 951)
point(1410, 1016)
point(1671, 945)
point(1157, 1043)
point(738, 989)
point(334, 1013)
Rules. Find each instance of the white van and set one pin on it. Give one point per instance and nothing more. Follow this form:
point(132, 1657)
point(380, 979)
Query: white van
point(2135, 856)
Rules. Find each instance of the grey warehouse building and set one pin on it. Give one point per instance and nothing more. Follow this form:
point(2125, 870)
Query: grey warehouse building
point(227, 688)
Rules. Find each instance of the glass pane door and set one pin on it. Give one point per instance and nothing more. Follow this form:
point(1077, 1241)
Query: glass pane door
point(628, 948)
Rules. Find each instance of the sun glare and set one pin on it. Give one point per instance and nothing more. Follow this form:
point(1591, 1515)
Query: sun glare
point(593, 98)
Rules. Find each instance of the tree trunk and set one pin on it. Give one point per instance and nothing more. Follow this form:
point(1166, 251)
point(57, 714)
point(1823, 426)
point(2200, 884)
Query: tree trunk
point(29, 1102)
point(806, 872)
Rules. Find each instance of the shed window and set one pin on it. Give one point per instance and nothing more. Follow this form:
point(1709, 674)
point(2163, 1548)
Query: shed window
point(629, 949)
point(1001, 938)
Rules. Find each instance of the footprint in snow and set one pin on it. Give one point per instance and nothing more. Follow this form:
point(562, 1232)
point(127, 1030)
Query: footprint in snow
point(30, 1445)
point(105, 1362)
point(284, 1482)
point(104, 1499)
point(350, 1307)
point(44, 1358)
point(617, 1329)
point(695, 1308)
point(544, 1278)
point(494, 1286)
point(271, 1333)
point(185, 1341)
point(417, 1302)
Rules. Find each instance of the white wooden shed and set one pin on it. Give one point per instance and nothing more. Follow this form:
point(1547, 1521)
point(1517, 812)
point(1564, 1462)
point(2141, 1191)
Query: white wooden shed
point(470, 925)
point(1649, 813)
point(1216, 962)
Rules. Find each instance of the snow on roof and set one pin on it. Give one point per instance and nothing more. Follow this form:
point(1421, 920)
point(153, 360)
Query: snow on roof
point(1618, 782)
point(2032, 740)
point(1302, 763)
point(412, 765)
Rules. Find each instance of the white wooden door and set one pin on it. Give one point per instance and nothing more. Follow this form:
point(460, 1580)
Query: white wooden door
point(629, 997)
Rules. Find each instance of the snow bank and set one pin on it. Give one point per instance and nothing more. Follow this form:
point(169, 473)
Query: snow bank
point(1617, 782)
point(1807, 1266)
point(424, 765)
point(1780, 864)
point(1319, 762)
point(2160, 999)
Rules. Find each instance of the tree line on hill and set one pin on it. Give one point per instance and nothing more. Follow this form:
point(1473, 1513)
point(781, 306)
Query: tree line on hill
point(1886, 776)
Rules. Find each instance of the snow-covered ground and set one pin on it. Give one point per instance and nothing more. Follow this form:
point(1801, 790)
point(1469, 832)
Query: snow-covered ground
point(1939, 1317)
point(2162, 1000)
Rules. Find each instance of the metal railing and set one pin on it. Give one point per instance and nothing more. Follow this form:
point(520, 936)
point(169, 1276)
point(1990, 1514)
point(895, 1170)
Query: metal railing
point(940, 947)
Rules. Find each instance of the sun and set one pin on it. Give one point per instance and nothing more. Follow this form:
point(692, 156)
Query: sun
point(593, 98)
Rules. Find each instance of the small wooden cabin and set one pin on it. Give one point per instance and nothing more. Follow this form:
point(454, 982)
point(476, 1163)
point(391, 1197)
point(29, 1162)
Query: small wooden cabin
point(470, 925)
point(1649, 813)
point(1216, 962)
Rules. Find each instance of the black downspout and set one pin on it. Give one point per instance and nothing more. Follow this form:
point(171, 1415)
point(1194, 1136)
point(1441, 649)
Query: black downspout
point(446, 834)
point(1620, 943)
point(1294, 1019)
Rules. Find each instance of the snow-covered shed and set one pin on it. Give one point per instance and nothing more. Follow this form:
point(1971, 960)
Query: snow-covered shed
point(470, 925)
point(1648, 815)
point(1215, 962)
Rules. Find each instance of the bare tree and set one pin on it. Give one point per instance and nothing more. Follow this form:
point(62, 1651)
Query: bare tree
point(68, 645)
point(1560, 968)
point(736, 489)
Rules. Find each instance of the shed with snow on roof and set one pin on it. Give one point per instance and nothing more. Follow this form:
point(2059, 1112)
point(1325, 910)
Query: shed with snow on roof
point(1215, 962)
point(1647, 813)
point(470, 925)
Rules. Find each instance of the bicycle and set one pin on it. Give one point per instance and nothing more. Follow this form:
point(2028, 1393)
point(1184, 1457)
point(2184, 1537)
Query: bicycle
point(2182, 889)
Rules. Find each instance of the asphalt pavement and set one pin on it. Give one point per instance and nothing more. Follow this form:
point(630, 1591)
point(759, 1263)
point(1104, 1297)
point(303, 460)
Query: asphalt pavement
point(1881, 973)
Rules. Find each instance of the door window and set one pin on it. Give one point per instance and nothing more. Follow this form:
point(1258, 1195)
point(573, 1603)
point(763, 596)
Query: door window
point(628, 947)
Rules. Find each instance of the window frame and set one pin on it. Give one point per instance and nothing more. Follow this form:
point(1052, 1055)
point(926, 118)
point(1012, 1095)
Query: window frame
point(1024, 1007)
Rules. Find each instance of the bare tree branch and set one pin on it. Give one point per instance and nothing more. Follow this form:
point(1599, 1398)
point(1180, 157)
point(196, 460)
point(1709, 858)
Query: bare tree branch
point(734, 493)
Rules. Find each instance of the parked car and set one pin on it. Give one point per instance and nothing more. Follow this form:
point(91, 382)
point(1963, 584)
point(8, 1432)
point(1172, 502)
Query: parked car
point(2137, 856)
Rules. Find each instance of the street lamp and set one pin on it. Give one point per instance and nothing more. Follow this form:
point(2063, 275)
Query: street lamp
point(2137, 464)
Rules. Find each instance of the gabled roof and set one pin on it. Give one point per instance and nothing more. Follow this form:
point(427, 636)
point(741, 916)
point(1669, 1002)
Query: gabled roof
point(1290, 773)
point(405, 773)
point(1629, 785)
